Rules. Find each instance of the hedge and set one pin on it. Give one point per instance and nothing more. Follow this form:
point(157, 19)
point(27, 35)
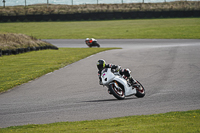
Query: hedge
point(101, 16)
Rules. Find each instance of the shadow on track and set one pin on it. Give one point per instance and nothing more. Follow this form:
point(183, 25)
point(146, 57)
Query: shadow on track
point(107, 100)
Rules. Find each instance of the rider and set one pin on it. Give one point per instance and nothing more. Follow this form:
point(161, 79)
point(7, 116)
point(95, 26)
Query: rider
point(101, 64)
point(89, 41)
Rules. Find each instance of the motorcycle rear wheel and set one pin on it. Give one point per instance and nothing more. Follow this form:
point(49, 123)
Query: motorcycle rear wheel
point(117, 93)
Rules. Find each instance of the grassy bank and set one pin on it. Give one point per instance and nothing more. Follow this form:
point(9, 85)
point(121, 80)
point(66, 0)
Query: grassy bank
point(18, 69)
point(14, 41)
point(179, 28)
point(43, 9)
point(176, 122)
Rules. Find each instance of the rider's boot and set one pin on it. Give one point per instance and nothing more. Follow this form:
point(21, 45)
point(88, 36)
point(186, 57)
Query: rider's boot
point(109, 92)
point(133, 82)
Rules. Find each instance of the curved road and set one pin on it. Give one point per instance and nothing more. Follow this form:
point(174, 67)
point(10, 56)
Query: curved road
point(168, 69)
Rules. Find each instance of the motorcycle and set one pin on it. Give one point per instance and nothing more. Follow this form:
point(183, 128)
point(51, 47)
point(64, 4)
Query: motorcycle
point(92, 43)
point(120, 87)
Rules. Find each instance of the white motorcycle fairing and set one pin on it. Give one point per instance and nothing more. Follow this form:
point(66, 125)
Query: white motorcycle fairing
point(129, 90)
point(108, 77)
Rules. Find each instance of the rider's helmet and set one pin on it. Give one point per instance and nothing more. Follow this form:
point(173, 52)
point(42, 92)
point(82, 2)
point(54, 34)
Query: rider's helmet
point(101, 64)
point(87, 40)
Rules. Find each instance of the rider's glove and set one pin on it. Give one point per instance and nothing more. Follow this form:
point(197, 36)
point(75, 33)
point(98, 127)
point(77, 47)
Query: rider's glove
point(118, 68)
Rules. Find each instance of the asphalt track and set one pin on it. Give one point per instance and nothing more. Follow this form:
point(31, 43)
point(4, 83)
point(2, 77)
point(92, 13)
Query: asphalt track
point(168, 69)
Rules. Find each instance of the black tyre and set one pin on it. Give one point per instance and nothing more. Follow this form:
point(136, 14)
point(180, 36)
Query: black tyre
point(117, 93)
point(140, 91)
point(95, 44)
point(98, 45)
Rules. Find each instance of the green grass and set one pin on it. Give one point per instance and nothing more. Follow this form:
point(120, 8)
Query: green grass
point(173, 122)
point(177, 28)
point(19, 69)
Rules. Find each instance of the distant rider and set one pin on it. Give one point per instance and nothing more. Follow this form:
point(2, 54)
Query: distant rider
point(89, 41)
point(101, 64)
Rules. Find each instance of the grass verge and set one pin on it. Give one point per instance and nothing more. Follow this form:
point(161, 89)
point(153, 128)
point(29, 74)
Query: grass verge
point(18, 69)
point(177, 28)
point(176, 122)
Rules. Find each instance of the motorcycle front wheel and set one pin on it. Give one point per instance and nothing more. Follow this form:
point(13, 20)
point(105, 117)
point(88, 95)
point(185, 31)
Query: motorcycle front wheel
point(117, 93)
point(97, 45)
point(140, 91)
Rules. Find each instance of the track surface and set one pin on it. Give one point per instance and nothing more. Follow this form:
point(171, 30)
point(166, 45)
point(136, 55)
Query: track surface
point(168, 69)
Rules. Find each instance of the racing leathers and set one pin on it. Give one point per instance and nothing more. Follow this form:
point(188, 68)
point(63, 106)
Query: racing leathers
point(124, 72)
point(89, 42)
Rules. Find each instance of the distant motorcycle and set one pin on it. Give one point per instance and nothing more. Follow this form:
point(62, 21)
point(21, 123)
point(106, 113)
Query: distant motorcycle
point(120, 87)
point(92, 42)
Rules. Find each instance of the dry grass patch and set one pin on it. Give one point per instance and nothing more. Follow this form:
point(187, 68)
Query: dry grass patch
point(43, 9)
point(11, 41)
